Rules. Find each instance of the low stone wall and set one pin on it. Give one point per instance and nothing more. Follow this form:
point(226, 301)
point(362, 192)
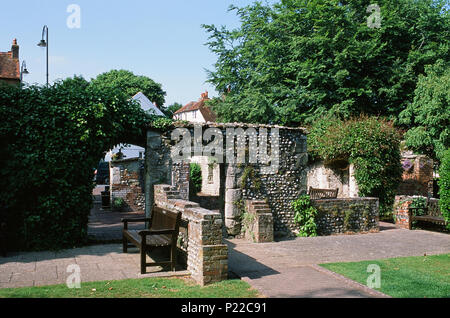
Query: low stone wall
point(258, 225)
point(403, 218)
point(200, 236)
point(127, 182)
point(347, 215)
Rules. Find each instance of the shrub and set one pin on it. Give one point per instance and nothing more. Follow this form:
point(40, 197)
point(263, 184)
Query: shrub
point(51, 140)
point(195, 178)
point(304, 216)
point(371, 144)
point(444, 187)
point(118, 204)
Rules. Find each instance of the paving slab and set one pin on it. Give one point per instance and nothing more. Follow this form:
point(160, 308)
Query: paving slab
point(96, 263)
point(289, 268)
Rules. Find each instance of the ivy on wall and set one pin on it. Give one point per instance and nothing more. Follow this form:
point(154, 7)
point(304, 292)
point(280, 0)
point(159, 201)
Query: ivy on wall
point(444, 187)
point(371, 144)
point(51, 141)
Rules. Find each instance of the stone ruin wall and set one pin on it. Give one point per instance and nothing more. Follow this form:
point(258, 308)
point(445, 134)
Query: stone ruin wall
point(127, 182)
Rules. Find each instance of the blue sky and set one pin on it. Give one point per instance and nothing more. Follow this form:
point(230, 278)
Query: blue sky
point(159, 39)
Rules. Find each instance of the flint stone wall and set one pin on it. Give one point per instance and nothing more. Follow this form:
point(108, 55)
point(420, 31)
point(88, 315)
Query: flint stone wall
point(346, 215)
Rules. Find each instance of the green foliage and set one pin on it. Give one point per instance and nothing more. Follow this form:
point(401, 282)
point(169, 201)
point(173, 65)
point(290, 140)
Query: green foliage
point(429, 113)
point(371, 144)
point(444, 187)
point(421, 203)
point(171, 109)
point(250, 179)
point(304, 216)
point(118, 204)
point(131, 84)
point(297, 60)
point(195, 178)
point(51, 140)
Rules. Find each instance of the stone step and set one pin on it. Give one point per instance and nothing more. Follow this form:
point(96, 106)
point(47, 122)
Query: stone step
point(263, 211)
point(258, 202)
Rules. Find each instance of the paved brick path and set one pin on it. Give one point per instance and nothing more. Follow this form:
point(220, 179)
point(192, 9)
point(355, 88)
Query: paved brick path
point(97, 262)
point(106, 225)
point(289, 268)
point(279, 269)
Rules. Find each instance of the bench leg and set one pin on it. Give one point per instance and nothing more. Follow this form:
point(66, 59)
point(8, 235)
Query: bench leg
point(143, 261)
point(124, 244)
point(173, 258)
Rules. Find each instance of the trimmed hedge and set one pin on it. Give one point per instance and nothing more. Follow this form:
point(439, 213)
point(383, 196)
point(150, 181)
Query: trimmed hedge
point(444, 187)
point(51, 140)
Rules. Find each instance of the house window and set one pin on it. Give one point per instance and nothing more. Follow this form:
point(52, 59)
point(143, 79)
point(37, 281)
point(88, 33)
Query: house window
point(195, 114)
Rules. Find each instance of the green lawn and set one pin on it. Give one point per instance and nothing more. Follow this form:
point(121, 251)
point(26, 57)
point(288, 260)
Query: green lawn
point(137, 288)
point(421, 276)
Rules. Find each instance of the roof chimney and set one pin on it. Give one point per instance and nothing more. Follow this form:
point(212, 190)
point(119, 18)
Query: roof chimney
point(15, 49)
point(205, 95)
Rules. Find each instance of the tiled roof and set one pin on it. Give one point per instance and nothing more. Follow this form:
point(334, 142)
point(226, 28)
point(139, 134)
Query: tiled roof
point(207, 113)
point(9, 67)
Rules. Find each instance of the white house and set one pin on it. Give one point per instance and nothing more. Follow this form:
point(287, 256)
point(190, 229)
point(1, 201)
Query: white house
point(133, 151)
point(196, 112)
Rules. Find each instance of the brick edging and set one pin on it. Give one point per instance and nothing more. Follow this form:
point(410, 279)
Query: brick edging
point(350, 282)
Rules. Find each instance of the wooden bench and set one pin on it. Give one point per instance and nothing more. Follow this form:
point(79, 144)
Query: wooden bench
point(162, 232)
point(316, 194)
point(435, 219)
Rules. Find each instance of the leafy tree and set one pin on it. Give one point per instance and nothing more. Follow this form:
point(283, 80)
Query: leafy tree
point(131, 84)
point(171, 109)
point(297, 60)
point(429, 113)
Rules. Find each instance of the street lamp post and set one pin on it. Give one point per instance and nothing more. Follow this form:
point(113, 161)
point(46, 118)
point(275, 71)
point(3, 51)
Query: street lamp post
point(44, 43)
point(23, 70)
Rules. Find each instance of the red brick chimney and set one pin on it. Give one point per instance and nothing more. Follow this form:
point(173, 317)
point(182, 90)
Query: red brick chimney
point(204, 95)
point(15, 50)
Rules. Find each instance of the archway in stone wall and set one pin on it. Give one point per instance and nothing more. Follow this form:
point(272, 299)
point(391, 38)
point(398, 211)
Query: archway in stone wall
point(125, 191)
point(273, 173)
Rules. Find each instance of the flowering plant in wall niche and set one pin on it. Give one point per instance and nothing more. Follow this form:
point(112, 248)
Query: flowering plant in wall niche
point(407, 165)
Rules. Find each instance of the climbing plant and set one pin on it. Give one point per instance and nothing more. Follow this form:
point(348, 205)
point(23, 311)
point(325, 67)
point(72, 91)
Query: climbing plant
point(195, 178)
point(305, 215)
point(51, 140)
point(444, 187)
point(372, 144)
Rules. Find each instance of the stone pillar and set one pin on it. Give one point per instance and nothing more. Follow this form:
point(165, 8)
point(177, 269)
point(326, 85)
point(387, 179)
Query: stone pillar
point(233, 200)
point(157, 166)
point(207, 257)
point(201, 236)
point(401, 212)
point(180, 179)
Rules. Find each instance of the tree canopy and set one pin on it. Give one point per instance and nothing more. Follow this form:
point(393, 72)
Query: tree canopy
point(429, 113)
point(131, 84)
point(297, 60)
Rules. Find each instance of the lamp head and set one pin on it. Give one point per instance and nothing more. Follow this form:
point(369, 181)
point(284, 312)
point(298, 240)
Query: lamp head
point(42, 43)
